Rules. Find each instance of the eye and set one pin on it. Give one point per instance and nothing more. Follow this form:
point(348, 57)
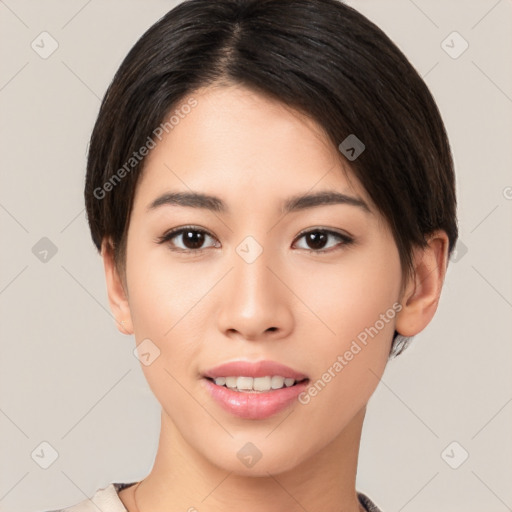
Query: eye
point(317, 239)
point(192, 239)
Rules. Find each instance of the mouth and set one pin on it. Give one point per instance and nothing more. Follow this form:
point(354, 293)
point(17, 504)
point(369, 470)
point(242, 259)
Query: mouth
point(265, 384)
point(254, 404)
point(254, 390)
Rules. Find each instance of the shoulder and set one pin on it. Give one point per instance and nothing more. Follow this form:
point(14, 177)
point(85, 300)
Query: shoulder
point(105, 499)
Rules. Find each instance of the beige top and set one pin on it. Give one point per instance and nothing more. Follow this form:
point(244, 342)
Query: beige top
point(107, 500)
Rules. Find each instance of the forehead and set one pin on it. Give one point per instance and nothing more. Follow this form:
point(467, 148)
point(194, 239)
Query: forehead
point(236, 142)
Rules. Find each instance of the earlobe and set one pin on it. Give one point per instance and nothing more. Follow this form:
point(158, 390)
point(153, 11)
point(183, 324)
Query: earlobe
point(422, 293)
point(117, 295)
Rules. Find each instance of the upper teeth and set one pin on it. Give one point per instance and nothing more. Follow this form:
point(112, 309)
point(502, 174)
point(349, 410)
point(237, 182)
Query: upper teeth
point(254, 383)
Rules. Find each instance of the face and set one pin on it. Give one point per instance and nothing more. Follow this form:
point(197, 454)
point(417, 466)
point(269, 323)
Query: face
point(261, 273)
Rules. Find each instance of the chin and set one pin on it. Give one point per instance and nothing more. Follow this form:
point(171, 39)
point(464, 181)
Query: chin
point(250, 457)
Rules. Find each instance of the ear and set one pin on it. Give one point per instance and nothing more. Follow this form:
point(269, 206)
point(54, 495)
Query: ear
point(117, 296)
point(421, 296)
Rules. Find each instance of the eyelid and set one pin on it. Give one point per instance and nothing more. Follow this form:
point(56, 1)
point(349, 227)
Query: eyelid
point(340, 233)
point(172, 233)
point(343, 236)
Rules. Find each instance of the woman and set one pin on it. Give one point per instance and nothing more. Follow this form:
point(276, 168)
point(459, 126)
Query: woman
point(271, 189)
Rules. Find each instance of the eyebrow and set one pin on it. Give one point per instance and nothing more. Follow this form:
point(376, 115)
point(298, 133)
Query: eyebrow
point(292, 204)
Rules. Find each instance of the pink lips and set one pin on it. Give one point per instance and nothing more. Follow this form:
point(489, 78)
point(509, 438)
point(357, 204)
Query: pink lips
point(254, 405)
point(257, 369)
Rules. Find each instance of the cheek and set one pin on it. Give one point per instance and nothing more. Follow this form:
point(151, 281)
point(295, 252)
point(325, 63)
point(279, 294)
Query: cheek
point(356, 305)
point(163, 292)
point(165, 305)
point(349, 297)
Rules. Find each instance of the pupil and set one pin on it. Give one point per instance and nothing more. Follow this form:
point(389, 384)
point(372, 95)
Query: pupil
point(193, 239)
point(317, 240)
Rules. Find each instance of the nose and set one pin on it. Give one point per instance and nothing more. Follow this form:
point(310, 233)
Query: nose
point(255, 302)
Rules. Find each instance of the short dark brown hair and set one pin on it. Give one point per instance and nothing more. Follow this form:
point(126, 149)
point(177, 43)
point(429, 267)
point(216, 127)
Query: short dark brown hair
point(320, 57)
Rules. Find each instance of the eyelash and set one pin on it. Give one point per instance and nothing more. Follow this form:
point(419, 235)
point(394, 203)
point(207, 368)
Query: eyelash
point(167, 237)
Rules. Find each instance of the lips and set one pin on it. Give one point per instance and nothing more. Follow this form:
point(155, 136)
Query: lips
point(254, 405)
point(256, 369)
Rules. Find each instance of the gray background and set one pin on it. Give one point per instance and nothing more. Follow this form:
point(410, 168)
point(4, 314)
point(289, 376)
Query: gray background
point(67, 377)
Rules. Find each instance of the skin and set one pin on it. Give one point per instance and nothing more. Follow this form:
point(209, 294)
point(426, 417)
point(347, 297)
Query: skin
point(202, 309)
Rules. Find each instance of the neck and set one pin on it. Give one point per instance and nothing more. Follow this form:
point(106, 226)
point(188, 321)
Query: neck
point(183, 479)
